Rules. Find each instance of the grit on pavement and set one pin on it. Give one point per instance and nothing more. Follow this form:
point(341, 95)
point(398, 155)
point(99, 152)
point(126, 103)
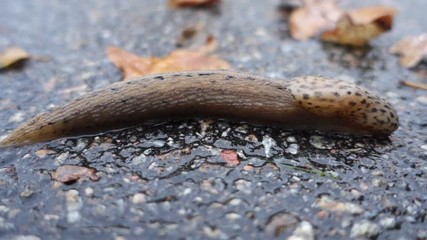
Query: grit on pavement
point(169, 180)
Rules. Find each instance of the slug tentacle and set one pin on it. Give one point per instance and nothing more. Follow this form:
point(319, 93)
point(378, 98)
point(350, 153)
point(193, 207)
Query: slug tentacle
point(306, 103)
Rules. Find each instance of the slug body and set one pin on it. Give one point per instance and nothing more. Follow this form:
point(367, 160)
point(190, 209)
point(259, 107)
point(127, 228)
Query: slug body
point(307, 103)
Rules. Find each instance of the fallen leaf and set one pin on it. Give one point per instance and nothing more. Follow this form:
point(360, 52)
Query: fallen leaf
point(412, 50)
point(231, 157)
point(358, 27)
point(70, 173)
point(192, 3)
point(179, 60)
point(12, 55)
point(314, 17)
point(421, 86)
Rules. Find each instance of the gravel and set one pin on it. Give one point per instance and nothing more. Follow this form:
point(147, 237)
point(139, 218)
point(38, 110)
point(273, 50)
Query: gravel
point(168, 180)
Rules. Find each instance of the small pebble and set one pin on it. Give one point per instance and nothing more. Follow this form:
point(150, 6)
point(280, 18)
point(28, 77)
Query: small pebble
point(138, 198)
point(74, 204)
point(320, 142)
point(304, 231)
point(292, 149)
point(268, 143)
point(388, 223)
point(364, 229)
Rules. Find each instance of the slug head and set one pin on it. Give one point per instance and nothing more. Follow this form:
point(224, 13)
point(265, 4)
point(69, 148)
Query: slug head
point(338, 99)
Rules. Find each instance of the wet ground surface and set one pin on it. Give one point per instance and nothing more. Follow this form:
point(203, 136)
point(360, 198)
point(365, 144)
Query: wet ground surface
point(170, 180)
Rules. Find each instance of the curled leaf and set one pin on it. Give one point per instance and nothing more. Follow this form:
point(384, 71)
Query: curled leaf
point(70, 173)
point(358, 27)
point(412, 50)
point(314, 17)
point(11, 56)
point(192, 3)
point(179, 60)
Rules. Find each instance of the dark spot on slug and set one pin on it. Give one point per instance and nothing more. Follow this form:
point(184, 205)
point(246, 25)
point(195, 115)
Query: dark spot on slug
point(189, 75)
point(373, 110)
point(363, 101)
point(160, 77)
point(318, 93)
point(250, 78)
point(336, 94)
point(205, 74)
point(306, 96)
point(352, 104)
point(348, 92)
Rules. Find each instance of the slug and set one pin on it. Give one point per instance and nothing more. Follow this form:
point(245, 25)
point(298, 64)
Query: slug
point(305, 103)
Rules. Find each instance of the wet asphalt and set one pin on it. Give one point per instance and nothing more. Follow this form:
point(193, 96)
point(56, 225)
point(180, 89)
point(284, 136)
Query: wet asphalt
point(169, 181)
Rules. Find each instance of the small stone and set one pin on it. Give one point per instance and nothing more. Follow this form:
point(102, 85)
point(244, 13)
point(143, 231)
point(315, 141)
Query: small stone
point(422, 234)
point(17, 117)
point(51, 217)
point(233, 216)
point(213, 232)
point(4, 225)
point(74, 204)
point(364, 229)
point(88, 191)
point(268, 143)
point(138, 198)
point(243, 185)
point(320, 142)
point(388, 223)
point(138, 160)
point(304, 231)
point(291, 139)
point(292, 149)
point(61, 158)
point(326, 203)
point(27, 192)
point(230, 157)
point(248, 167)
point(42, 153)
point(424, 147)
point(279, 223)
point(4, 208)
point(251, 138)
point(422, 99)
point(26, 237)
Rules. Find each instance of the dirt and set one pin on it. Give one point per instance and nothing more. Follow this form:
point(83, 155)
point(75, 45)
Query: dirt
point(169, 180)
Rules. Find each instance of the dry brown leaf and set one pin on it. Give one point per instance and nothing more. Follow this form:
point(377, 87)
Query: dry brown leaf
point(12, 55)
point(358, 27)
point(179, 60)
point(231, 157)
point(71, 173)
point(192, 3)
point(412, 50)
point(314, 17)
